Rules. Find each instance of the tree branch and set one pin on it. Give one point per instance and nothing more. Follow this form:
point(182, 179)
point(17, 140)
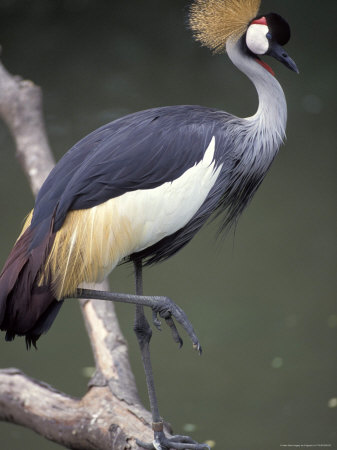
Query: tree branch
point(110, 415)
point(93, 422)
point(21, 110)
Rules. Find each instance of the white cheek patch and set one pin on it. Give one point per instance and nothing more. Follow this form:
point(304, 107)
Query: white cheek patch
point(256, 39)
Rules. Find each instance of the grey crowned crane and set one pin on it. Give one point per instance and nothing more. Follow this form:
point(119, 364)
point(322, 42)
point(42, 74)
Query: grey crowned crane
point(139, 188)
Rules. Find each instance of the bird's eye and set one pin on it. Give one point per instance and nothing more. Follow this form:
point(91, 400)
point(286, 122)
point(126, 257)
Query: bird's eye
point(268, 36)
point(257, 38)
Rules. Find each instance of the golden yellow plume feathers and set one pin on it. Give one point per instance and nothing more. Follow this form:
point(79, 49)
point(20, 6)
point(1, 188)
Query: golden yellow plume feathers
point(214, 21)
point(28, 219)
point(87, 247)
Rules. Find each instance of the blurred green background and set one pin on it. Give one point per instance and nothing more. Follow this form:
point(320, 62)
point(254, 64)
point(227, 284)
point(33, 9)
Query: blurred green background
point(263, 301)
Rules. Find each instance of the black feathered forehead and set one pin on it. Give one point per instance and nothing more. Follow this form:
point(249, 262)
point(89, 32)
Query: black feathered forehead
point(279, 27)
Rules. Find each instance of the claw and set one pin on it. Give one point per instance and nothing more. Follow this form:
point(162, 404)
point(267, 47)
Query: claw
point(161, 442)
point(168, 310)
point(185, 439)
point(198, 348)
point(156, 321)
point(156, 445)
point(175, 334)
point(144, 445)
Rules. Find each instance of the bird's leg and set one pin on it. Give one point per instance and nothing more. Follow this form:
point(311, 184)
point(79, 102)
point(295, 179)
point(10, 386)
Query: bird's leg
point(163, 306)
point(167, 310)
point(144, 333)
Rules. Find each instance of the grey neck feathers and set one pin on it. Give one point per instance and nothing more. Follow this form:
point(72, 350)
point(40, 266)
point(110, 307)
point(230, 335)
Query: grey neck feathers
point(267, 127)
point(254, 140)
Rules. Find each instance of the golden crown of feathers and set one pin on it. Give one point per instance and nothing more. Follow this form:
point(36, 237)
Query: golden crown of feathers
point(214, 21)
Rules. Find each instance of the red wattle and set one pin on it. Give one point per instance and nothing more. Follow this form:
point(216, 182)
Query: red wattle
point(260, 21)
point(265, 65)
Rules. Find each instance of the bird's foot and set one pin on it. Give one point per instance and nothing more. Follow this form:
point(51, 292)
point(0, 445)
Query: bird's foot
point(162, 306)
point(161, 442)
point(168, 310)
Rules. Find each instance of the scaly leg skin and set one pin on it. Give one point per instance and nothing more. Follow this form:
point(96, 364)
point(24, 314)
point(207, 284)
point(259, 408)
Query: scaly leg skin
point(143, 332)
point(166, 309)
point(175, 442)
point(163, 306)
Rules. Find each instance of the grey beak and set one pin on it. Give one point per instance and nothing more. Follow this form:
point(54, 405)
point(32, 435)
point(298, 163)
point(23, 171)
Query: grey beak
point(278, 52)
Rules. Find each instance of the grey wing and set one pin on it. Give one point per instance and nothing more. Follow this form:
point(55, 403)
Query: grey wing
point(140, 151)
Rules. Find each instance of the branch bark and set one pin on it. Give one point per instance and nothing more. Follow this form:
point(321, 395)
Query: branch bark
point(110, 415)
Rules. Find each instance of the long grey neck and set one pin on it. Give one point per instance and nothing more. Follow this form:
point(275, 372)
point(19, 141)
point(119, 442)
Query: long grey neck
point(254, 141)
point(267, 126)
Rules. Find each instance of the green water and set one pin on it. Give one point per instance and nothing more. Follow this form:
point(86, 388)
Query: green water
point(263, 301)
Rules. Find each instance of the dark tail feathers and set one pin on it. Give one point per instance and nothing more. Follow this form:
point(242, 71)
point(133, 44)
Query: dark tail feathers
point(27, 309)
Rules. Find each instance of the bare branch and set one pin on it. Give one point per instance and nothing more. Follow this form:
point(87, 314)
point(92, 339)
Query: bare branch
point(112, 397)
point(97, 421)
point(21, 109)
